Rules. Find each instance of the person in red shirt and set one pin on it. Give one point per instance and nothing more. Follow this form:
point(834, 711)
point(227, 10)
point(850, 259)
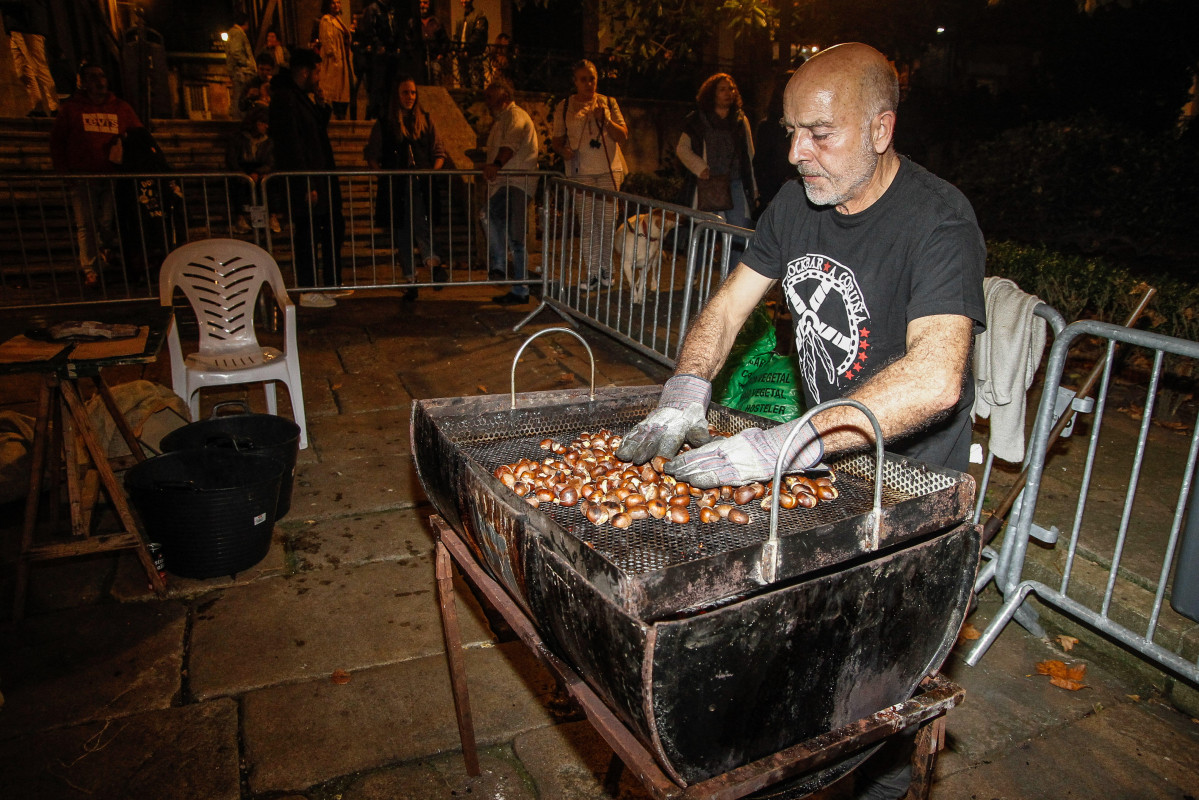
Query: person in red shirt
point(86, 138)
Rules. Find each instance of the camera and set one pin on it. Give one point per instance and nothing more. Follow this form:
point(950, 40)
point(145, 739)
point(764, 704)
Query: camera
point(594, 143)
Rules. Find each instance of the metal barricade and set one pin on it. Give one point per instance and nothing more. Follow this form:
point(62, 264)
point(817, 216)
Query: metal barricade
point(397, 228)
point(635, 268)
point(1139, 553)
point(61, 229)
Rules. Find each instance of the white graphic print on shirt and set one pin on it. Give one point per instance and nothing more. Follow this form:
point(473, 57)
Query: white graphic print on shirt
point(101, 122)
point(828, 309)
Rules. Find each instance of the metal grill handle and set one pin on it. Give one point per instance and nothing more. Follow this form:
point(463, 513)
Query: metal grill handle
point(590, 355)
point(770, 552)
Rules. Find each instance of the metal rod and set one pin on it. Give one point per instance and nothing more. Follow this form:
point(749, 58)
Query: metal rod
point(590, 355)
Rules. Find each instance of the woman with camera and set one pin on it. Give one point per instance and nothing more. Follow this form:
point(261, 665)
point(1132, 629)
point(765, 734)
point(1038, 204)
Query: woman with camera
point(588, 132)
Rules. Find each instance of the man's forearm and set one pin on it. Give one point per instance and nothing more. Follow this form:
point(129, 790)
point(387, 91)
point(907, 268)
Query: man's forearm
point(910, 393)
point(713, 332)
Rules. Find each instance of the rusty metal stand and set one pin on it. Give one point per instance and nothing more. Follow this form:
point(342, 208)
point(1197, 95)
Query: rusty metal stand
point(926, 709)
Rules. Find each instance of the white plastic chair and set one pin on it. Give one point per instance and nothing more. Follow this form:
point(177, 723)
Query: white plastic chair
point(222, 278)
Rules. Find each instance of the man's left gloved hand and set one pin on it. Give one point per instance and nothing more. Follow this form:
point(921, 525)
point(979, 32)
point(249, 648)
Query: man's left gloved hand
point(749, 456)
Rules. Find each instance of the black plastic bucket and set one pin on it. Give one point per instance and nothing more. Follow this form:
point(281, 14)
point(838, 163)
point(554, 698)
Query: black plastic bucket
point(265, 434)
point(212, 510)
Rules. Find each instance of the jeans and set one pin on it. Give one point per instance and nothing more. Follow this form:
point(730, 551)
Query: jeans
point(414, 228)
point(507, 227)
point(94, 212)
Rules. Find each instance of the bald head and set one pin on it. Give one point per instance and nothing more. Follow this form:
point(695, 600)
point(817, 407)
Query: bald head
point(856, 74)
point(839, 109)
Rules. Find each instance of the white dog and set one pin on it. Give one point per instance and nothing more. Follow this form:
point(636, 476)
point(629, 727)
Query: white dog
point(638, 245)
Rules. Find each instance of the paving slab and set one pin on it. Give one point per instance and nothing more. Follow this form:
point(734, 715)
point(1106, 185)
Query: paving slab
point(502, 777)
point(361, 539)
point(130, 584)
point(370, 433)
point(373, 390)
point(1133, 751)
point(1007, 702)
point(186, 753)
point(301, 734)
point(68, 582)
point(89, 663)
point(306, 626)
point(342, 486)
point(570, 762)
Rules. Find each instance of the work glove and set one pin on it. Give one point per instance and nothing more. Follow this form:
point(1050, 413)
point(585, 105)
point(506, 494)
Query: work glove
point(682, 414)
point(747, 457)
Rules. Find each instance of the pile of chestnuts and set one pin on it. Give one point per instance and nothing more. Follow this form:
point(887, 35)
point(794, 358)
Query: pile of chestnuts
point(587, 474)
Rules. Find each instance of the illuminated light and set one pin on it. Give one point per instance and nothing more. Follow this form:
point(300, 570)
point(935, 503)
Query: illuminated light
point(940, 29)
point(224, 36)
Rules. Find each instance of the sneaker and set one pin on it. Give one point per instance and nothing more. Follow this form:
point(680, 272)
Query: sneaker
point(410, 295)
point(90, 277)
point(316, 300)
point(510, 299)
point(275, 226)
point(242, 226)
point(595, 282)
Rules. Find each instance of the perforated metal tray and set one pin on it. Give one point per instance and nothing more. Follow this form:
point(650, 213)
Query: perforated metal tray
point(653, 566)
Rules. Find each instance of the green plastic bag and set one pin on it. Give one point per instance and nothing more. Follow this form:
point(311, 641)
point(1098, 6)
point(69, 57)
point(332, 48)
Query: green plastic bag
point(773, 390)
point(757, 380)
point(753, 347)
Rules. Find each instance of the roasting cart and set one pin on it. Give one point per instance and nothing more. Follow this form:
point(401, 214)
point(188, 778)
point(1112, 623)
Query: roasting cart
point(716, 659)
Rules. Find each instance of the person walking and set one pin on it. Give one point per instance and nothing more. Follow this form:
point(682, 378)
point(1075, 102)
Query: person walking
point(300, 129)
point(406, 139)
point(86, 138)
point(239, 60)
point(337, 69)
point(512, 146)
point(716, 146)
point(588, 133)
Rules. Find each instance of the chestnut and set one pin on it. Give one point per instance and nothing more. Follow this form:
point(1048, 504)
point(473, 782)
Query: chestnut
point(738, 517)
point(708, 514)
point(680, 515)
point(656, 508)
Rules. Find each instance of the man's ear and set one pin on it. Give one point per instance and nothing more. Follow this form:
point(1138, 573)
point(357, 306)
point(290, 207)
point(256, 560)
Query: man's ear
point(882, 131)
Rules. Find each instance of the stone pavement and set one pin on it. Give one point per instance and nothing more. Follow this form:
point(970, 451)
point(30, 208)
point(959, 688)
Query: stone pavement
point(225, 688)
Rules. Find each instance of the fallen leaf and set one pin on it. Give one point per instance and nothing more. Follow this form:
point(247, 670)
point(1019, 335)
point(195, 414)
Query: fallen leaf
point(340, 677)
point(336, 386)
point(481, 389)
point(1067, 642)
point(1062, 675)
point(969, 633)
point(1136, 698)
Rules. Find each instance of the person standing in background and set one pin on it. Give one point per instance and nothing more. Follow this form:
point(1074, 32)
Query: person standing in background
point(376, 35)
point(405, 138)
point(771, 143)
point(512, 146)
point(280, 55)
point(588, 132)
point(300, 129)
point(239, 60)
point(716, 146)
point(86, 138)
point(337, 69)
point(435, 45)
point(27, 24)
point(471, 38)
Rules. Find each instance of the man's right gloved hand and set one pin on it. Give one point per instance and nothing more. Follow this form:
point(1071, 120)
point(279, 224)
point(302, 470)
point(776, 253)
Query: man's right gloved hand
point(681, 415)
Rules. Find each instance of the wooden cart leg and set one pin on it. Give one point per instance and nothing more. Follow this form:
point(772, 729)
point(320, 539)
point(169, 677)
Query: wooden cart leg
point(116, 494)
point(453, 653)
point(114, 411)
point(929, 741)
point(36, 470)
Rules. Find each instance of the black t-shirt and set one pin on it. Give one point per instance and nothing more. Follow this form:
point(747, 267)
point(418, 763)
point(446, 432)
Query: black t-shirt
point(853, 282)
